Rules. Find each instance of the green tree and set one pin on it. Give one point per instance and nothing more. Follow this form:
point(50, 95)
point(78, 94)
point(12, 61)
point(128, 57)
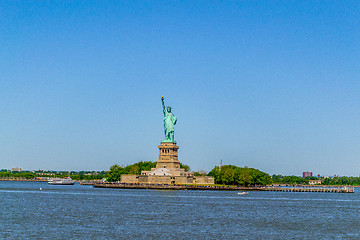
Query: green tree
point(242, 176)
point(215, 172)
point(115, 173)
point(184, 166)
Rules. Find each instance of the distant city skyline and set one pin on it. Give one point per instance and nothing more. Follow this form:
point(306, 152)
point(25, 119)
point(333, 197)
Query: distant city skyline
point(271, 85)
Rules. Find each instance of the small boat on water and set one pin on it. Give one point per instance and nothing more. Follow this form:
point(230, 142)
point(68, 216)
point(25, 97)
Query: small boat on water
point(61, 181)
point(242, 193)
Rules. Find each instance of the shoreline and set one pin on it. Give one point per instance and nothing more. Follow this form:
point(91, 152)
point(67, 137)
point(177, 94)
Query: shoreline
point(175, 187)
point(337, 189)
point(97, 184)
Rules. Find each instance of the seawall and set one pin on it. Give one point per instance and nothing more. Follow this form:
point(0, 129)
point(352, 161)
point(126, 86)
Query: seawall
point(339, 189)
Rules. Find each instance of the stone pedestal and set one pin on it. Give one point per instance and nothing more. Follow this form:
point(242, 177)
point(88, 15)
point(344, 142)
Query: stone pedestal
point(168, 156)
point(167, 170)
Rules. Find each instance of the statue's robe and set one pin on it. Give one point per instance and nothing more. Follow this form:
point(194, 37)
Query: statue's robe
point(169, 122)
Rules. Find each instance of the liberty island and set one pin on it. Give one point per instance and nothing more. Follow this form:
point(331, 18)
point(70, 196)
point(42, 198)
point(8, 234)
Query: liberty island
point(168, 173)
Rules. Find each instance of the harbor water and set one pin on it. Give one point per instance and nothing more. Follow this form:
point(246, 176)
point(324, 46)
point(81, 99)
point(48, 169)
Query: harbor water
point(36, 210)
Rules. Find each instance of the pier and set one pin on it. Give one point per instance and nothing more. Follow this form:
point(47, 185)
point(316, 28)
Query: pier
point(327, 189)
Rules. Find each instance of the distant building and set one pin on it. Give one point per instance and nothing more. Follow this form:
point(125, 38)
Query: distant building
point(16, 169)
point(314, 182)
point(45, 174)
point(307, 174)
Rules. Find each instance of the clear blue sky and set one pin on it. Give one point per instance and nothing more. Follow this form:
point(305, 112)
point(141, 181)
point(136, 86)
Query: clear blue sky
point(272, 85)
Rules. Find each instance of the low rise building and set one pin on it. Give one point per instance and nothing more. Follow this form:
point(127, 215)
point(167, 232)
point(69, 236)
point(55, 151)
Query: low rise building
point(16, 169)
point(314, 182)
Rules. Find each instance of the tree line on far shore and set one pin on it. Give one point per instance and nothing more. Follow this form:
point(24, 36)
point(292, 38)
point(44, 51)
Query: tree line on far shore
point(14, 175)
point(294, 180)
point(78, 176)
point(226, 174)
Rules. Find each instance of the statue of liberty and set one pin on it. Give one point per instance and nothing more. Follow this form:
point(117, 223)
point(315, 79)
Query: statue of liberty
point(169, 122)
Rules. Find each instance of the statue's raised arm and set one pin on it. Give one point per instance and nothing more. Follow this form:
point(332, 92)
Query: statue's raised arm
point(163, 104)
point(169, 122)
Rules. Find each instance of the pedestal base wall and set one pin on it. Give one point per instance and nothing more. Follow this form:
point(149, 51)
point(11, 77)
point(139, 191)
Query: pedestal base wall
point(155, 179)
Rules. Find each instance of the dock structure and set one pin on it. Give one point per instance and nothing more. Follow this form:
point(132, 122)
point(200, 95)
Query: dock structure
point(172, 186)
point(326, 189)
point(340, 189)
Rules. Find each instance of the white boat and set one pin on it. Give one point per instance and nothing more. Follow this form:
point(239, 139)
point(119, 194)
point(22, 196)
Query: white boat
point(61, 181)
point(242, 193)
